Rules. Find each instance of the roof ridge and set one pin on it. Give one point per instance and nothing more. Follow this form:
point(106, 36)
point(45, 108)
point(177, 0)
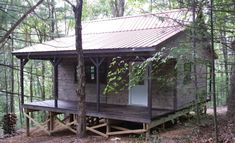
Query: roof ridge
point(133, 16)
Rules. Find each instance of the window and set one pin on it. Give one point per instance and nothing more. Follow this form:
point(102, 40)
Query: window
point(90, 73)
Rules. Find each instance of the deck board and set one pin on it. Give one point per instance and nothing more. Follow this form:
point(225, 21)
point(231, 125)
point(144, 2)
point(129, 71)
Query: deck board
point(118, 112)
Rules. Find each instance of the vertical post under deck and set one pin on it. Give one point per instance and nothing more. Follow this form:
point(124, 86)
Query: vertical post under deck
point(107, 126)
point(150, 90)
point(27, 124)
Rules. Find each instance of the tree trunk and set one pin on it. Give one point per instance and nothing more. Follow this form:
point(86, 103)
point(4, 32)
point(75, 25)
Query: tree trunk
point(6, 84)
point(231, 101)
point(225, 56)
point(81, 128)
point(12, 107)
point(31, 88)
point(118, 7)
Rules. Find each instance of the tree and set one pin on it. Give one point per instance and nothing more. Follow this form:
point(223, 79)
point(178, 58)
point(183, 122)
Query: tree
point(81, 128)
point(118, 7)
point(231, 101)
point(18, 22)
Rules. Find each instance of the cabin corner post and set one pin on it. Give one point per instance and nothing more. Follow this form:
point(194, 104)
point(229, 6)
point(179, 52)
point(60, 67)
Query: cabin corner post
point(22, 64)
point(150, 90)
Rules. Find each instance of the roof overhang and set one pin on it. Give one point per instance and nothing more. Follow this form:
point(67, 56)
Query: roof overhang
point(87, 53)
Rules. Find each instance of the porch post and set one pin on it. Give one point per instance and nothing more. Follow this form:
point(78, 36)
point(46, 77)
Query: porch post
point(98, 84)
point(55, 64)
point(150, 90)
point(56, 84)
point(22, 64)
point(97, 62)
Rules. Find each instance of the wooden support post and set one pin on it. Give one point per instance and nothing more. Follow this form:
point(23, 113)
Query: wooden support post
point(55, 64)
point(51, 127)
point(150, 90)
point(71, 117)
point(148, 132)
point(107, 126)
point(56, 85)
point(22, 64)
point(97, 62)
point(98, 84)
point(27, 124)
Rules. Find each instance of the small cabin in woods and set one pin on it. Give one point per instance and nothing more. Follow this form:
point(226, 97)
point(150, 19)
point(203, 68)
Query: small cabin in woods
point(163, 93)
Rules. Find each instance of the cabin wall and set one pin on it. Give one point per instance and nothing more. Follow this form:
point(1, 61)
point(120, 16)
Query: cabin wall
point(162, 98)
point(119, 98)
point(186, 93)
point(163, 86)
point(67, 87)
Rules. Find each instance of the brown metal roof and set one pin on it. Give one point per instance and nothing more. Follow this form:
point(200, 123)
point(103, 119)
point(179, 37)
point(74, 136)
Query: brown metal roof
point(134, 32)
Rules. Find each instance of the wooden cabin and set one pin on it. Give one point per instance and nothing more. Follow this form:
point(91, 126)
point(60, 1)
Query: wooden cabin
point(136, 38)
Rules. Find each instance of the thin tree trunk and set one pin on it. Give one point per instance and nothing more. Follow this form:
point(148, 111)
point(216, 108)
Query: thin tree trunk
point(52, 12)
point(6, 85)
point(12, 107)
point(31, 88)
point(225, 54)
point(118, 7)
point(195, 60)
point(18, 91)
point(213, 70)
point(81, 128)
point(12, 103)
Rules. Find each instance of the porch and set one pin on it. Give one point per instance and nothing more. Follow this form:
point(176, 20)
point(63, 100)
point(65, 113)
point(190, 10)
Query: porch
point(106, 117)
point(131, 113)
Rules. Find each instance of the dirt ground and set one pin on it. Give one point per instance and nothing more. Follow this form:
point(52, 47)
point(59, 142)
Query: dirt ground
point(185, 131)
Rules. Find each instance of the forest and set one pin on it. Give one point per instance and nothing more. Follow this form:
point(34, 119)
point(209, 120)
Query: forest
point(28, 22)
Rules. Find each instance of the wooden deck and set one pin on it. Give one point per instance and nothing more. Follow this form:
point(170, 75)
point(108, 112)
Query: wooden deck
point(117, 112)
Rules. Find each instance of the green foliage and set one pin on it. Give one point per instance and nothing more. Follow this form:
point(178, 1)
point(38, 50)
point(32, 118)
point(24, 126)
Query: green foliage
point(96, 10)
point(120, 77)
point(117, 76)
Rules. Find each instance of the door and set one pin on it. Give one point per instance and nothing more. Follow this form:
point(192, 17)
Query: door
point(138, 94)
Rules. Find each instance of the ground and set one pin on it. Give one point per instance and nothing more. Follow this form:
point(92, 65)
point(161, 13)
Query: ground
point(185, 131)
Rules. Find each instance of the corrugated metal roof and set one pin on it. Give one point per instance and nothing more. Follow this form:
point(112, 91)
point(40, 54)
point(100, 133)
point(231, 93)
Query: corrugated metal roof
point(141, 31)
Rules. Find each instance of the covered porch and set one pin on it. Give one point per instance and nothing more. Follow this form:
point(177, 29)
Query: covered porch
point(107, 117)
point(108, 112)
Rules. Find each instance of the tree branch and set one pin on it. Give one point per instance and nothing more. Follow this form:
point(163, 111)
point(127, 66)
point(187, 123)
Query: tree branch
point(72, 5)
point(18, 22)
